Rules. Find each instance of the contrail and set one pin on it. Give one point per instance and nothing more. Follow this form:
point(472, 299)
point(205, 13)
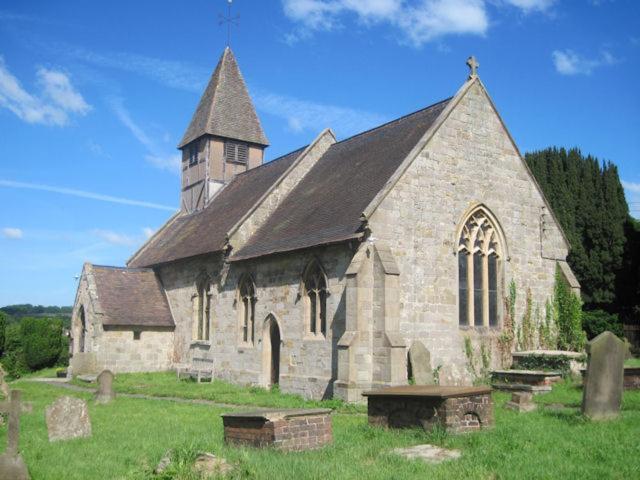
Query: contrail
point(84, 194)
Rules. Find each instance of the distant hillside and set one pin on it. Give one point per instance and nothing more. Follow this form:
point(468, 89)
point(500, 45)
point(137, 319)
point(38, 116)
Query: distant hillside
point(16, 312)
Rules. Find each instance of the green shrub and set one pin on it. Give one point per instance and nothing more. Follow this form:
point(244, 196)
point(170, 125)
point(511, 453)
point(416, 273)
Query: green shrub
point(594, 322)
point(63, 357)
point(13, 359)
point(41, 341)
point(3, 326)
point(568, 316)
point(546, 363)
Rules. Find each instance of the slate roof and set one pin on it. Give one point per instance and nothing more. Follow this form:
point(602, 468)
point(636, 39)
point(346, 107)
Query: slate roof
point(205, 231)
point(131, 297)
point(326, 206)
point(225, 109)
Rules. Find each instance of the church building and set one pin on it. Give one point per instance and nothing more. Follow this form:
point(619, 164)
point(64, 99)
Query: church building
point(318, 270)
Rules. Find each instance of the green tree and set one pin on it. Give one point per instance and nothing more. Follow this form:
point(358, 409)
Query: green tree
point(41, 341)
point(3, 326)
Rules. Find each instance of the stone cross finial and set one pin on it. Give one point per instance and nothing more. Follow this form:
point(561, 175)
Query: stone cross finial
point(473, 67)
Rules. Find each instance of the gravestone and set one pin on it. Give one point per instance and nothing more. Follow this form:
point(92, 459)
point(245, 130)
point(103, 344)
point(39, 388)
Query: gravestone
point(105, 391)
point(12, 465)
point(521, 402)
point(602, 394)
point(67, 418)
point(428, 453)
point(420, 359)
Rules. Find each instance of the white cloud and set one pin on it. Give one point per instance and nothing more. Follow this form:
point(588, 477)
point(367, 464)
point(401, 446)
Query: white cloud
point(568, 62)
point(417, 21)
point(52, 107)
point(115, 238)
point(58, 88)
point(302, 115)
point(632, 193)
point(531, 5)
point(84, 194)
point(148, 232)
point(12, 233)
point(157, 155)
point(631, 186)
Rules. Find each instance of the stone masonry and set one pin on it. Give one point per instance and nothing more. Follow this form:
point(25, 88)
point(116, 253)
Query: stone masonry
point(288, 430)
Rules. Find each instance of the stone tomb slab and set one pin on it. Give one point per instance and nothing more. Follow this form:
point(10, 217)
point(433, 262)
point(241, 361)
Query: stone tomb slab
point(534, 381)
point(456, 409)
point(427, 453)
point(287, 430)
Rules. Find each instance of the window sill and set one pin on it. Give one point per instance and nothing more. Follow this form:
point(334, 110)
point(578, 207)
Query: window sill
point(245, 346)
point(200, 343)
point(480, 328)
point(310, 337)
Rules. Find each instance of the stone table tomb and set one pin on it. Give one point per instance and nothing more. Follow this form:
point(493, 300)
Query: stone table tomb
point(288, 430)
point(456, 409)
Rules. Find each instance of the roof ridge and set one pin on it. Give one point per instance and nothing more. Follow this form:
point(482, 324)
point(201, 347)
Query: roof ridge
point(113, 267)
point(386, 124)
point(271, 162)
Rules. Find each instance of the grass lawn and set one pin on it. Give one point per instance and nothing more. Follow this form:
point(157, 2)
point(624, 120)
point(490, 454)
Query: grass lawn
point(165, 384)
point(131, 435)
point(632, 362)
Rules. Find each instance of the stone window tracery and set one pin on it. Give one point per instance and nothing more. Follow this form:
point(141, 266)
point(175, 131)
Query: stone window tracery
point(202, 311)
point(315, 300)
point(479, 266)
point(247, 302)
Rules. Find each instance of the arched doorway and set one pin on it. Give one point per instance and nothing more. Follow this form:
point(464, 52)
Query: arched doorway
point(271, 352)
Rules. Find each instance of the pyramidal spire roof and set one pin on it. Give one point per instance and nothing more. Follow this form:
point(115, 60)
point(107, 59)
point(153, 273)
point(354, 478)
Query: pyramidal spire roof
point(225, 109)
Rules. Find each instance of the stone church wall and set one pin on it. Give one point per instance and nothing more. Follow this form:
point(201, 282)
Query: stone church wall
point(307, 365)
point(469, 161)
point(135, 350)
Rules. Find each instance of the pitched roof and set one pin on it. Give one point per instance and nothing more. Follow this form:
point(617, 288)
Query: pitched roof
point(131, 297)
point(225, 109)
point(205, 231)
point(326, 206)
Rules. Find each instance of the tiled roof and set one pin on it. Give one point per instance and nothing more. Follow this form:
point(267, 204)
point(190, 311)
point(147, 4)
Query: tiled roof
point(225, 109)
point(326, 206)
point(131, 297)
point(205, 231)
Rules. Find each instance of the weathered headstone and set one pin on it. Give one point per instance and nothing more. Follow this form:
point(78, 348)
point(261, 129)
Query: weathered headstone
point(12, 465)
point(67, 418)
point(420, 359)
point(602, 395)
point(105, 391)
point(521, 402)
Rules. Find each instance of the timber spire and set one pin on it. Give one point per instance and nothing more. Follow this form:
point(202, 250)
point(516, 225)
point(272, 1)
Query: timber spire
point(225, 109)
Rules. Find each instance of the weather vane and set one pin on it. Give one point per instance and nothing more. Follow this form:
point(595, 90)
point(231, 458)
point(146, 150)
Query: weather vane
point(229, 20)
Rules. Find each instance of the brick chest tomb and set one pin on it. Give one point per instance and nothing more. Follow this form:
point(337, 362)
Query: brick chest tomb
point(456, 409)
point(289, 430)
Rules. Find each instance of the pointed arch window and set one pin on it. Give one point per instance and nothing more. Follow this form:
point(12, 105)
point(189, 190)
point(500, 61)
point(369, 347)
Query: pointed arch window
point(247, 303)
point(315, 300)
point(202, 310)
point(479, 267)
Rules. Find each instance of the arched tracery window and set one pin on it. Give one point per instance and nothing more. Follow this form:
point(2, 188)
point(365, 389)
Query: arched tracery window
point(202, 310)
point(247, 303)
point(479, 264)
point(83, 331)
point(315, 299)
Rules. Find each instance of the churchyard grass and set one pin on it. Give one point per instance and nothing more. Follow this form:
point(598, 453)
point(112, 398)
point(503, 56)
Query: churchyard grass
point(166, 384)
point(632, 362)
point(130, 435)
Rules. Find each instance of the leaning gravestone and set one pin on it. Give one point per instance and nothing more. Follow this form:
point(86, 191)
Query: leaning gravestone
point(12, 465)
point(603, 384)
point(68, 418)
point(420, 359)
point(4, 386)
point(105, 391)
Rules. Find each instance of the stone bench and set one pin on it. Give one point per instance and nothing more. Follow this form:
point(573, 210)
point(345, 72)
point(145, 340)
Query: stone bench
point(287, 430)
point(200, 369)
point(631, 378)
point(534, 381)
point(456, 409)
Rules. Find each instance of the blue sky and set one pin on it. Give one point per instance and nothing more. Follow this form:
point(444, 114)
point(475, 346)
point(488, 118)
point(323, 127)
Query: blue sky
point(94, 97)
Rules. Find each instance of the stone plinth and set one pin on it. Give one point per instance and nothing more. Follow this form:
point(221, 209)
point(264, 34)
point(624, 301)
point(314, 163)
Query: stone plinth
point(576, 359)
point(288, 430)
point(456, 409)
point(534, 381)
